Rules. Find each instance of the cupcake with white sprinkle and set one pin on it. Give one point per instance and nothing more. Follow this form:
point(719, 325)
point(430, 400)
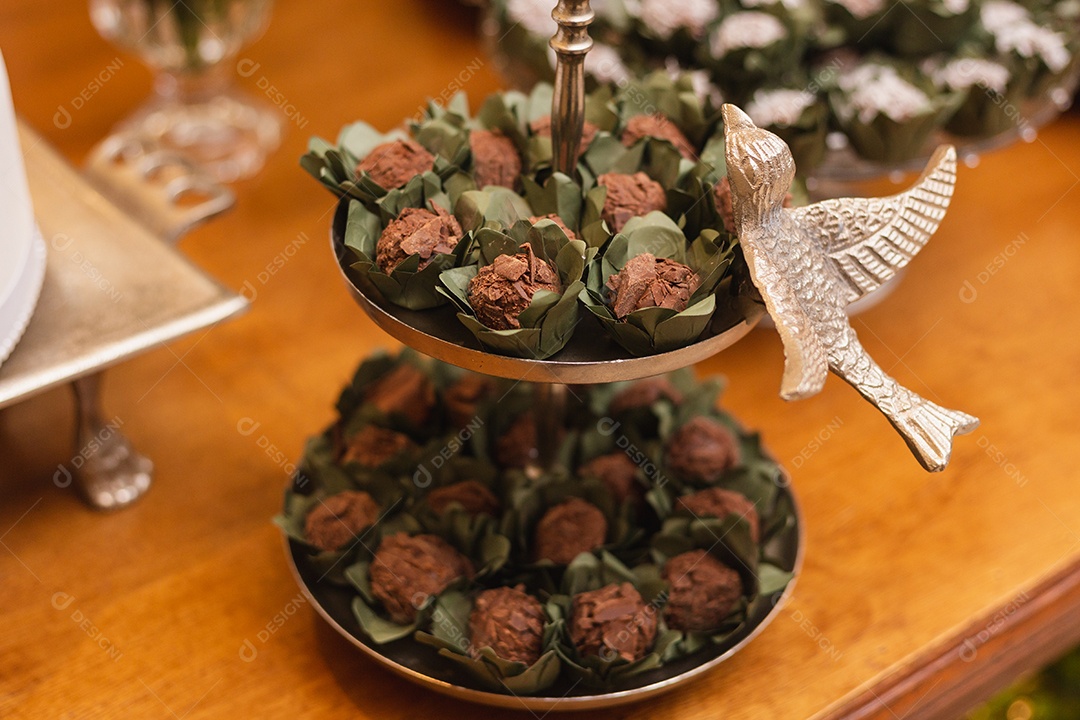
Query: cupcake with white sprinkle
point(797, 116)
point(992, 99)
point(931, 26)
point(749, 49)
point(888, 110)
point(857, 22)
point(1037, 54)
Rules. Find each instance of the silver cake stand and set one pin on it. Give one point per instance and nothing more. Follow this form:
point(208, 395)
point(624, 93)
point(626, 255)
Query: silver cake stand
point(588, 358)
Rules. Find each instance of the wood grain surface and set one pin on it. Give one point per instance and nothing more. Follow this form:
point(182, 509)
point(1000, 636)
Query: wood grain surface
point(920, 595)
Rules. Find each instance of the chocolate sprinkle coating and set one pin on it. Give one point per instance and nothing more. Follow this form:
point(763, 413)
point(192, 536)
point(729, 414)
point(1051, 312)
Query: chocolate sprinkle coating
point(473, 496)
point(395, 163)
point(407, 391)
point(495, 159)
point(417, 231)
point(657, 126)
point(629, 196)
point(644, 393)
point(720, 503)
point(407, 570)
point(371, 446)
point(618, 473)
point(510, 622)
point(646, 281)
point(612, 622)
point(542, 128)
point(463, 398)
point(702, 591)
point(503, 290)
point(568, 529)
point(702, 450)
point(519, 445)
point(339, 519)
point(554, 217)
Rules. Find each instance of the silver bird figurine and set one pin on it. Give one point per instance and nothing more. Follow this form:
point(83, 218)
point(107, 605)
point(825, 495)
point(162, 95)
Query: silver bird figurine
point(809, 263)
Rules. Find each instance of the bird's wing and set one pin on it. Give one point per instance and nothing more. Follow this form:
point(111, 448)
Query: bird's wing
point(870, 239)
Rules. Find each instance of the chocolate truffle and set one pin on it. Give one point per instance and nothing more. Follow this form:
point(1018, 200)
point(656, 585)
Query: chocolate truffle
point(495, 159)
point(644, 393)
point(510, 622)
point(338, 520)
point(702, 450)
point(395, 163)
point(657, 126)
point(618, 473)
point(702, 591)
point(646, 281)
point(504, 289)
point(474, 497)
point(629, 196)
point(542, 128)
point(612, 622)
point(464, 397)
point(519, 445)
point(554, 217)
point(406, 390)
point(719, 503)
point(407, 570)
point(372, 446)
point(568, 529)
point(417, 231)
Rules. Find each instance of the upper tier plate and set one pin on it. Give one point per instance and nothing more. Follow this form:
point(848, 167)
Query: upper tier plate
point(590, 356)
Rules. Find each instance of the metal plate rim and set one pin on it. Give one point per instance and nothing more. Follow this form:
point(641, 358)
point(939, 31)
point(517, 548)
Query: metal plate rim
point(569, 703)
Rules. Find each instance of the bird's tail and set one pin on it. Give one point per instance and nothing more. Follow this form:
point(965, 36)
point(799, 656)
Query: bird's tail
point(928, 429)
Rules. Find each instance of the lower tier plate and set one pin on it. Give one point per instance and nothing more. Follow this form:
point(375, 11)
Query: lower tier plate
point(424, 666)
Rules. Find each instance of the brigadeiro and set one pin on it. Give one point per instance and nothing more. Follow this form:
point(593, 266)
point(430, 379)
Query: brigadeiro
point(644, 393)
point(495, 159)
point(542, 128)
point(393, 164)
point(406, 390)
point(510, 622)
point(519, 445)
point(701, 591)
point(417, 231)
point(339, 519)
point(463, 398)
point(371, 446)
point(629, 196)
point(568, 529)
point(473, 496)
point(503, 290)
point(647, 281)
point(407, 570)
point(702, 450)
point(554, 217)
point(618, 473)
point(612, 622)
point(657, 126)
point(720, 503)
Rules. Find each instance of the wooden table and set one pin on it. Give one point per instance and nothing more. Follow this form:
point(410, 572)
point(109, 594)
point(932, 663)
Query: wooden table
point(921, 593)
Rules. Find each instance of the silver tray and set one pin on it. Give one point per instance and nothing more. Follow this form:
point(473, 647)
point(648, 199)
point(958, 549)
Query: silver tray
point(423, 665)
point(590, 356)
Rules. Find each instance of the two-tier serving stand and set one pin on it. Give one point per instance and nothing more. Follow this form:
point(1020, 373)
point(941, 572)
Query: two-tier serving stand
point(584, 360)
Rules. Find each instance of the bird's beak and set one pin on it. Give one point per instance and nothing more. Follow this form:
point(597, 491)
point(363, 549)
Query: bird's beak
point(734, 118)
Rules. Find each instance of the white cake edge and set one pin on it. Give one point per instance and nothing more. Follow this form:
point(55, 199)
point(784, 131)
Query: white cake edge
point(24, 295)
